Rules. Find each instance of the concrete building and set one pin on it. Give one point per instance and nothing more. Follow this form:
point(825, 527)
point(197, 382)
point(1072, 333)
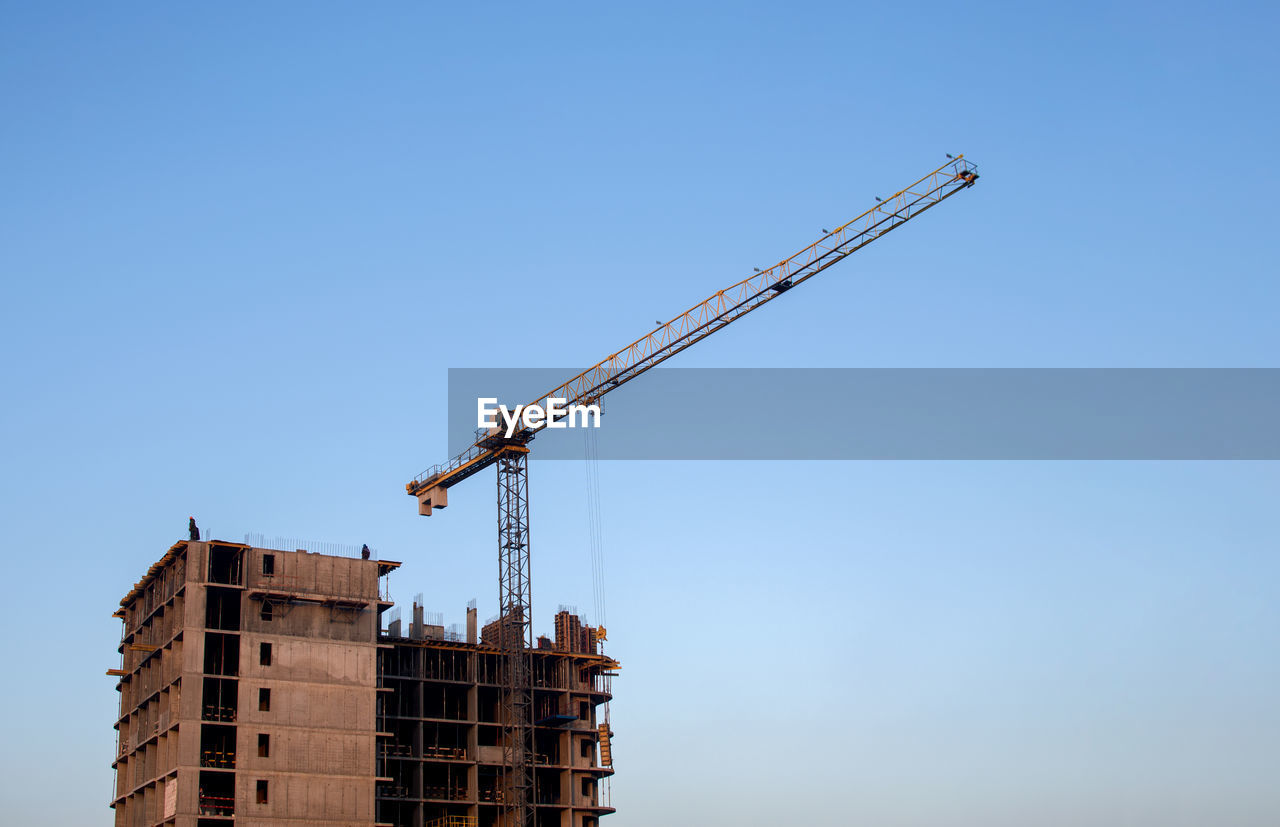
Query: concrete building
point(439, 705)
point(257, 686)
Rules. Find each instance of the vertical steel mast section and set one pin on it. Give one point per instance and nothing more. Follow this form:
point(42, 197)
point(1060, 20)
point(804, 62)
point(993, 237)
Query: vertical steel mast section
point(515, 598)
point(510, 455)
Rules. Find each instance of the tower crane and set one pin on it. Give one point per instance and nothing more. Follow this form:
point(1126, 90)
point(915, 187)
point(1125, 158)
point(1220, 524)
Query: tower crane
point(510, 453)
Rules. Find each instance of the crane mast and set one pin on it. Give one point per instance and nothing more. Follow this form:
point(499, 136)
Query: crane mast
point(511, 453)
point(515, 637)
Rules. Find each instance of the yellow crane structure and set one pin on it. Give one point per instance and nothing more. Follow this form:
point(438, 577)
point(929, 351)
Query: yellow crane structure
point(510, 453)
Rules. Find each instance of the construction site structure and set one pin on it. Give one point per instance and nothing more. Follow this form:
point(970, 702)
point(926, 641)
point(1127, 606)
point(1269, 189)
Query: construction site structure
point(258, 686)
point(509, 451)
point(373, 732)
point(440, 705)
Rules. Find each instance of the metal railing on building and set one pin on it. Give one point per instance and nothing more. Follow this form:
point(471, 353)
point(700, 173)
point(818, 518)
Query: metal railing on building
point(214, 805)
point(454, 821)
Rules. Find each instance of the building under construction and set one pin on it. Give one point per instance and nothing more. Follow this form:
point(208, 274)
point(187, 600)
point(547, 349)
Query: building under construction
point(262, 686)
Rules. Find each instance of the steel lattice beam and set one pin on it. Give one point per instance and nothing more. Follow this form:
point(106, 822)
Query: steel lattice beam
point(516, 634)
point(715, 313)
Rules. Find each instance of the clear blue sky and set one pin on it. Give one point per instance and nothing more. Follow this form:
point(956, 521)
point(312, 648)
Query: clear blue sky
point(242, 243)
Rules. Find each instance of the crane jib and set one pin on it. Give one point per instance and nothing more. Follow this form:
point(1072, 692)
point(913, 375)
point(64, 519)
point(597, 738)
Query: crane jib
point(703, 319)
point(508, 449)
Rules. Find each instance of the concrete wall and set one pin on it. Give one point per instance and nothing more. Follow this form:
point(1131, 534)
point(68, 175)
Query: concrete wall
point(321, 720)
point(322, 678)
point(317, 574)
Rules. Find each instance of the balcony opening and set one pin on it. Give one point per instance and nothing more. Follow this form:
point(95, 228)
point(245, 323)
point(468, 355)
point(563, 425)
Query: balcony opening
point(489, 783)
point(221, 654)
point(487, 699)
point(222, 609)
point(546, 748)
point(220, 696)
point(549, 793)
point(224, 565)
point(218, 746)
point(444, 782)
point(217, 794)
point(443, 701)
